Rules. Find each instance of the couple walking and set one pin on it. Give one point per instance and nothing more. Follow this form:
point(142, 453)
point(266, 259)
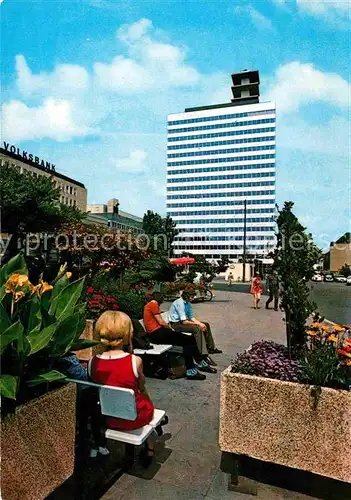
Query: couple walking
point(272, 289)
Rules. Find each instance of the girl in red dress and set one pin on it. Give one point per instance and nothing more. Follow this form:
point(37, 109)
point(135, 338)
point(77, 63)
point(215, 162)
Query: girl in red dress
point(120, 369)
point(256, 290)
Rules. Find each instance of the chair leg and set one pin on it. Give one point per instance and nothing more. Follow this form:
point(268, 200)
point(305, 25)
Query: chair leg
point(230, 465)
point(129, 456)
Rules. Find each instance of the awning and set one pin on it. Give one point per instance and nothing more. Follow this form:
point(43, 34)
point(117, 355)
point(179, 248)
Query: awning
point(182, 261)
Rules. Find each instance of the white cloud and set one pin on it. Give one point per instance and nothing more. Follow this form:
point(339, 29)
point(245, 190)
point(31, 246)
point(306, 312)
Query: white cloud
point(257, 18)
point(150, 64)
point(54, 119)
point(134, 162)
point(296, 84)
point(325, 7)
point(65, 79)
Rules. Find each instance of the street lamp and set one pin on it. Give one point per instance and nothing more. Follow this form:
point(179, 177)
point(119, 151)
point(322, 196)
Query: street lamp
point(244, 246)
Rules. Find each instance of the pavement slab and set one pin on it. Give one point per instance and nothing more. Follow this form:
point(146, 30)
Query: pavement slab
point(187, 455)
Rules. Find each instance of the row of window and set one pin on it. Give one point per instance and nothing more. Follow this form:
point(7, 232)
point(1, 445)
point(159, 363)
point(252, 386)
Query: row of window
point(225, 168)
point(184, 238)
point(217, 247)
point(224, 212)
point(219, 186)
point(222, 134)
point(220, 195)
point(221, 125)
point(197, 222)
point(229, 203)
point(68, 201)
point(260, 229)
point(222, 143)
point(222, 117)
point(220, 160)
point(249, 175)
point(221, 151)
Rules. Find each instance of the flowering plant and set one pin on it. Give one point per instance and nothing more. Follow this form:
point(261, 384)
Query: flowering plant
point(99, 303)
point(267, 359)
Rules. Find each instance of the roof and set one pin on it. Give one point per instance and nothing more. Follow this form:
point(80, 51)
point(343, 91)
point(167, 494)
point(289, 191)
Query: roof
point(35, 165)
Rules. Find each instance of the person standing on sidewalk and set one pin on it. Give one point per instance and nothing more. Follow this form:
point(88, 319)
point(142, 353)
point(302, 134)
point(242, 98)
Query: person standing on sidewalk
point(230, 279)
point(256, 290)
point(273, 289)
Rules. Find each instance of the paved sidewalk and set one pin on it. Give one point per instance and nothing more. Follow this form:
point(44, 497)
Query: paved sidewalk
point(188, 456)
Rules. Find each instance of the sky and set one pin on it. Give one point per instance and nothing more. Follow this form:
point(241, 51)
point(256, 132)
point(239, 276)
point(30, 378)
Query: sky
point(88, 84)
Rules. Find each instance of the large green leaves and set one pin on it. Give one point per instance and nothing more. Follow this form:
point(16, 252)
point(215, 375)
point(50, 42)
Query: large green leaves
point(65, 335)
point(39, 340)
point(34, 317)
point(13, 332)
point(5, 321)
point(15, 265)
point(51, 376)
point(64, 303)
point(8, 386)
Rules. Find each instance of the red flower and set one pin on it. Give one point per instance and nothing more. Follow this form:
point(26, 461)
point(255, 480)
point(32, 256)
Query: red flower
point(98, 297)
point(90, 290)
point(115, 306)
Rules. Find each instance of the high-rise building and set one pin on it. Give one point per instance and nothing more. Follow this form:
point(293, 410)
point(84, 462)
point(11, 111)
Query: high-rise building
point(218, 156)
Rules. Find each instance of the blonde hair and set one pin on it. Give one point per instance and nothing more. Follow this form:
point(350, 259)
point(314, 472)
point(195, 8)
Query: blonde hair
point(114, 329)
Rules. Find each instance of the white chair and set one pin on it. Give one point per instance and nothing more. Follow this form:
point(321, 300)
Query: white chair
point(120, 403)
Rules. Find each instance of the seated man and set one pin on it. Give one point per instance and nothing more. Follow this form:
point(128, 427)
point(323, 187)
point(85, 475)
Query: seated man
point(182, 319)
point(205, 328)
point(161, 333)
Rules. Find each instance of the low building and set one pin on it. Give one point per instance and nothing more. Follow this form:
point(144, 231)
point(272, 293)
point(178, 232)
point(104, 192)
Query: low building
point(73, 193)
point(339, 253)
point(116, 218)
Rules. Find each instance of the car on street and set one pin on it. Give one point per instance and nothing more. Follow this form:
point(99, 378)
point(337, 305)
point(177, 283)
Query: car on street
point(329, 278)
point(339, 278)
point(348, 280)
point(317, 277)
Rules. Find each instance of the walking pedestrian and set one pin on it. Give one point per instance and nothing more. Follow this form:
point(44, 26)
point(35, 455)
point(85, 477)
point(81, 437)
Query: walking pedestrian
point(230, 279)
point(256, 290)
point(273, 289)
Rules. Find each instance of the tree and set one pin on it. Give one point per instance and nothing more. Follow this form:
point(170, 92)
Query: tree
point(345, 270)
point(162, 230)
point(294, 258)
point(30, 204)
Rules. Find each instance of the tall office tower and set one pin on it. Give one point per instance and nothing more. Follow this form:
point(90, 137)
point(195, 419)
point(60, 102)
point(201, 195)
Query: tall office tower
point(221, 158)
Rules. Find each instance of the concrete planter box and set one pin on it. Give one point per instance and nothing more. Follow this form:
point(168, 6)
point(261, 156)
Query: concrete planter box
point(89, 334)
point(278, 422)
point(38, 445)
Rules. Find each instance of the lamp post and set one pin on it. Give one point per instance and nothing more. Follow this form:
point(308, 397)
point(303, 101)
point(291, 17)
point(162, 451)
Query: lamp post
point(244, 246)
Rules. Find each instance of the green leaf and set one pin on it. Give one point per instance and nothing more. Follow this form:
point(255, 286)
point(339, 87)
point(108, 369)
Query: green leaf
point(64, 303)
point(83, 344)
point(34, 317)
point(65, 335)
point(13, 332)
point(5, 321)
point(23, 345)
point(15, 265)
point(8, 386)
point(39, 340)
point(52, 376)
point(60, 285)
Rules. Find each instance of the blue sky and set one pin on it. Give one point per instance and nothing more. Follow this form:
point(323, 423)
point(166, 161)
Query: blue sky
point(88, 85)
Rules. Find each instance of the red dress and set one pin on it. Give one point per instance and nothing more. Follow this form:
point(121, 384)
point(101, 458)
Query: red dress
point(256, 286)
point(122, 372)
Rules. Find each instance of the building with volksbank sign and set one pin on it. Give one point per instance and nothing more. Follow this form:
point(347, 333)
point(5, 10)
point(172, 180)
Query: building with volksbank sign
point(72, 192)
point(221, 158)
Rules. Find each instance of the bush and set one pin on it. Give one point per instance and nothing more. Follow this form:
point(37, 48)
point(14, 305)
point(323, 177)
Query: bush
point(131, 302)
point(267, 359)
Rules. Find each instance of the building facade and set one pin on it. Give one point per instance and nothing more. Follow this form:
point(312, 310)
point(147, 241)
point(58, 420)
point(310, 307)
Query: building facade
point(218, 156)
point(339, 253)
point(72, 192)
point(116, 219)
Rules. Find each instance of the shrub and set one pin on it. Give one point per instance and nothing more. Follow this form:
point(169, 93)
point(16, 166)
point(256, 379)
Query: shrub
point(131, 302)
point(99, 303)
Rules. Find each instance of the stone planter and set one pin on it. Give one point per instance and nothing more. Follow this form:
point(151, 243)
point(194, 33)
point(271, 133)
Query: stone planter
point(282, 423)
point(89, 334)
point(38, 445)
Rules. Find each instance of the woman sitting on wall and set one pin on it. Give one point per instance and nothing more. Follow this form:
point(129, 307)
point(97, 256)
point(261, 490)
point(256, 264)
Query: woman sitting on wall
point(120, 369)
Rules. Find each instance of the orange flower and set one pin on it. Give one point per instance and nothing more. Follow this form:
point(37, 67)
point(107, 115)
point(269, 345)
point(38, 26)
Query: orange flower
point(344, 353)
point(42, 288)
point(317, 325)
point(68, 275)
point(16, 281)
point(333, 338)
point(338, 328)
point(312, 333)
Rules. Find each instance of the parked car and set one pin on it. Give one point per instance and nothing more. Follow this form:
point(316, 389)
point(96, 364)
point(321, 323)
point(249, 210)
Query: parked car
point(339, 278)
point(329, 278)
point(348, 280)
point(317, 277)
